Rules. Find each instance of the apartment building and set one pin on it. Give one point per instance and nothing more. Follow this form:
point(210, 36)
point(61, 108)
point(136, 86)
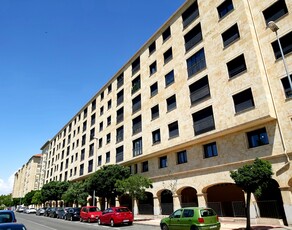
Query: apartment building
point(206, 94)
point(27, 178)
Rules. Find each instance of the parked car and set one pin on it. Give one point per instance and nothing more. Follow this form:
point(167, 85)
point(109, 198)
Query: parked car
point(47, 211)
point(199, 218)
point(72, 214)
point(30, 210)
point(12, 226)
point(60, 213)
point(7, 216)
point(89, 213)
point(52, 213)
point(116, 215)
point(19, 209)
point(40, 211)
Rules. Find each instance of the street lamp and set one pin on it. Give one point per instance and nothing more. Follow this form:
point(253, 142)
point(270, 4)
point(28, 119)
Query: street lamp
point(273, 26)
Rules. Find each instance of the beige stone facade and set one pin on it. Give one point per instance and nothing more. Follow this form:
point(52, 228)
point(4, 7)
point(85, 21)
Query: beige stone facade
point(204, 95)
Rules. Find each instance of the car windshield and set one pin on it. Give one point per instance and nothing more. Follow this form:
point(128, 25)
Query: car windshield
point(207, 212)
point(94, 209)
point(5, 217)
point(122, 210)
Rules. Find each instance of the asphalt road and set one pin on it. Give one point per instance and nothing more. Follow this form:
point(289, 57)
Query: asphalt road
point(33, 222)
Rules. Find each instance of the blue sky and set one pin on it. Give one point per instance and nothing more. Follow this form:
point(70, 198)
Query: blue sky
point(54, 56)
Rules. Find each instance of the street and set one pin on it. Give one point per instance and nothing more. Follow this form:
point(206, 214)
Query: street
point(33, 222)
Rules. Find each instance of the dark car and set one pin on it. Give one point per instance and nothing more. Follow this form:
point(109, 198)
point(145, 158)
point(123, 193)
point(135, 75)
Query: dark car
point(116, 215)
point(12, 226)
point(72, 214)
point(7, 216)
point(40, 211)
point(47, 211)
point(52, 213)
point(60, 213)
point(199, 218)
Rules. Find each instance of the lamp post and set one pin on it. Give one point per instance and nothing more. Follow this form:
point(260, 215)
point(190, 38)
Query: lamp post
point(273, 26)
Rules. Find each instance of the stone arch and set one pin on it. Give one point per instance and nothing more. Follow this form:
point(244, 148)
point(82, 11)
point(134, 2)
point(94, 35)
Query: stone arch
point(145, 206)
point(126, 200)
point(166, 202)
point(188, 196)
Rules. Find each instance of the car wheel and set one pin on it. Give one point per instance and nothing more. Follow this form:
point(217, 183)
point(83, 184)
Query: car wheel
point(112, 223)
point(98, 221)
point(164, 227)
point(88, 220)
point(71, 218)
point(194, 227)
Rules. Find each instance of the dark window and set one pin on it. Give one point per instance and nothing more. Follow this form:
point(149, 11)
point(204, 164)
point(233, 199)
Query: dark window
point(225, 8)
point(82, 155)
point(109, 88)
point(154, 89)
point(84, 126)
point(257, 138)
point(120, 80)
point(287, 87)
point(171, 103)
point(136, 104)
point(120, 115)
point(230, 35)
point(145, 166)
point(152, 48)
point(136, 66)
point(167, 55)
point(182, 157)
point(166, 34)
point(199, 90)
point(81, 170)
point(99, 159)
point(163, 162)
point(190, 14)
point(119, 154)
point(120, 97)
point(136, 84)
point(92, 134)
point(210, 150)
point(156, 136)
point(243, 100)
point(155, 112)
point(90, 166)
point(193, 37)
point(153, 68)
point(137, 147)
point(109, 120)
point(120, 134)
point(109, 104)
point(203, 120)
point(236, 66)
point(196, 62)
point(100, 126)
point(137, 125)
point(101, 110)
point(169, 78)
point(173, 129)
point(108, 138)
point(83, 139)
point(91, 150)
point(102, 96)
point(93, 105)
point(286, 43)
point(92, 119)
point(107, 157)
point(275, 11)
point(84, 114)
point(100, 142)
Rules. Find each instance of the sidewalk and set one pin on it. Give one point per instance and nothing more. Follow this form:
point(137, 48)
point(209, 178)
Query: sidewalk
point(226, 224)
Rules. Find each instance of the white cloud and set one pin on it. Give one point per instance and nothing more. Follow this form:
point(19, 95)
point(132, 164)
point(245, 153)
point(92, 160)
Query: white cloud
point(6, 186)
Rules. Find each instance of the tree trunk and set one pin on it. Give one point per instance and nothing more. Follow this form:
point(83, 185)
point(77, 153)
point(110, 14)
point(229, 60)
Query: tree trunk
point(248, 210)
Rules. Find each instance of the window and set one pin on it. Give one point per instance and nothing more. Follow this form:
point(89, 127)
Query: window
point(203, 121)
point(107, 157)
point(243, 100)
point(154, 89)
point(236, 66)
point(92, 119)
point(109, 120)
point(136, 103)
point(99, 159)
point(120, 80)
point(93, 105)
point(84, 114)
point(82, 155)
point(90, 166)
point(199, 90)
point(193, 37)
point(109, 88)
point(152, 48)
point(166, 34)
point(83, 139)
point(108, 138)
point(153, 68)
point(91, 150)
point(287, 87)
point(163, 162)
point(169, 78)
point(136, 66)
point(182, 157)
point(156, 136)
point(120, 115)
point(173, 129)
point(155, 112)
point(120, 97)
point(92, 134)
point(210, 150)
point(145, 166)
point(190, 14)
point(225, 8)
point(230, 35)
point(101, 96)
point(84, 126)
point(100, 126)
point(257, 138)
point(109, 104)
point(137, 125)
point(167, 55)
point(100, 142)
point(137, 147)
point(135, 169)
point(286, 43)
point(81, 170)
point(275, 11)
point(119, 154)
point(136, 84)
point(171, 103)
point(101, 110)
point(120, 134)
point(196, 62)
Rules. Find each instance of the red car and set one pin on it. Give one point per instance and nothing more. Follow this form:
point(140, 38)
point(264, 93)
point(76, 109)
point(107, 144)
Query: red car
point(89, 213)
point(116, 215)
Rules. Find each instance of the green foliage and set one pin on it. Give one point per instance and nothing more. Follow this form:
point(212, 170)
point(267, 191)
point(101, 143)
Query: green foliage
point(54, 190)
point(134, 185)
point(76, 193)
point(6, 200)
point(37, 197)
point(28, 198)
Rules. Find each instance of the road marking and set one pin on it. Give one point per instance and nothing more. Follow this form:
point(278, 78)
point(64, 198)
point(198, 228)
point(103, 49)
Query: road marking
point(40, 224)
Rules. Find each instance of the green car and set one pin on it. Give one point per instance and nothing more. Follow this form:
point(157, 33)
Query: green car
point(191, 218)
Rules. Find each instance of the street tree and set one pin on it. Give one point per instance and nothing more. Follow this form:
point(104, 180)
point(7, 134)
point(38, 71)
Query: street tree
point(27, 200)
point(76, 193)
point(54, 190)
point(252, 178)
point(37, 197)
